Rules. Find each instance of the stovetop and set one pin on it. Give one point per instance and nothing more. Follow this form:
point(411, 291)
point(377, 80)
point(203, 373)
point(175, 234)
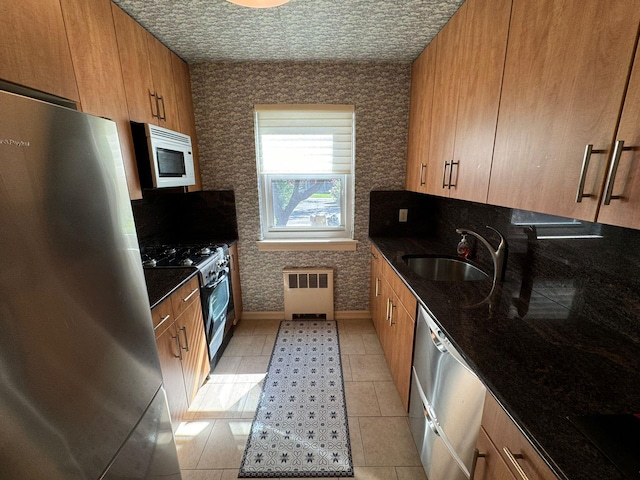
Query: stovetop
point(180, 256)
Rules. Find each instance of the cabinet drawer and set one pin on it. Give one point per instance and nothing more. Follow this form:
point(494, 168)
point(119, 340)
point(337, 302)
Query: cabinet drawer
point(507, 437)
point(162, 316)
point(185, 295)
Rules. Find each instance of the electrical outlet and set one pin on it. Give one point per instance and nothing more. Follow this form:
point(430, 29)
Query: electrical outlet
point(402, 216)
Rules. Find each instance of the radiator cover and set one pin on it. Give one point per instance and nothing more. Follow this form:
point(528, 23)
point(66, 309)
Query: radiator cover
point(308, 291)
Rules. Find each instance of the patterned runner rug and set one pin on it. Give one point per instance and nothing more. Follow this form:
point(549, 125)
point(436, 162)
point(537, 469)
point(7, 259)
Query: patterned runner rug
point(300, 428)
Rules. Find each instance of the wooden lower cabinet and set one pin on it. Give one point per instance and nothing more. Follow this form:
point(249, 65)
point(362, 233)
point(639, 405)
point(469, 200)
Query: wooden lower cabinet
point(235, 282)
point(182, 347)
point(490, 465)
point(500, 436)
point(393, 310)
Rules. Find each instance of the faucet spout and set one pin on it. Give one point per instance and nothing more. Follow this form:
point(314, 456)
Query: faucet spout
point(497, 254)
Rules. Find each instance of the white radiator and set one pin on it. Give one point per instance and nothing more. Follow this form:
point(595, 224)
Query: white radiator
point(308, 292)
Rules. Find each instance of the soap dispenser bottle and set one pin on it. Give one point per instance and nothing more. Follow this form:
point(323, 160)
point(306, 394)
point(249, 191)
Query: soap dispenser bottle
point(464, 249)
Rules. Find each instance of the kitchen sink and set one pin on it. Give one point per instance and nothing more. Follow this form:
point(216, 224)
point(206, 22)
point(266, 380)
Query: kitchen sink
point(444, 269)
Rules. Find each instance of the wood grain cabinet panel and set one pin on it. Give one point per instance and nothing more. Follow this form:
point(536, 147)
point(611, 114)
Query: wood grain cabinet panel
point(162, 74)
point(566, 68)
point(184, 103)
point(393, 311)
point(169, 352)
point(94, 51)
point(509, 441)
point(136, 70)
point(445, 103)
point(34, 51)
point(624, 208)
point(490, 465)
point(482, 62)
point(422, 81)
point(235, 282)
point(182, 347)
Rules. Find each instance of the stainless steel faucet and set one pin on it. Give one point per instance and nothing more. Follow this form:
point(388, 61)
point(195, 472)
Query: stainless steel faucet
point(497, 255)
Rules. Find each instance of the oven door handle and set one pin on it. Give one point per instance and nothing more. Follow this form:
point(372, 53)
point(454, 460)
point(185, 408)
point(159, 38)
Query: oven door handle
point(211, 286)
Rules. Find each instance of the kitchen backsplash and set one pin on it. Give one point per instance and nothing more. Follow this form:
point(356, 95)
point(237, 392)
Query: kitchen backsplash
point(164, 217)
point(224, 95)
point(565, 267)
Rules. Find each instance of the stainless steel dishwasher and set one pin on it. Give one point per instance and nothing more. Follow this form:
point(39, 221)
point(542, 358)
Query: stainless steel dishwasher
point(446, 404)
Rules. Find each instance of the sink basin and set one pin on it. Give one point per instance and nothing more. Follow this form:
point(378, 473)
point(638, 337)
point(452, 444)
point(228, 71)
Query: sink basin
point(444, 269)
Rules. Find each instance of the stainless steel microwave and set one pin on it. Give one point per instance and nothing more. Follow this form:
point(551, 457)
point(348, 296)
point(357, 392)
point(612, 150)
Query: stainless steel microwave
point(164, 157)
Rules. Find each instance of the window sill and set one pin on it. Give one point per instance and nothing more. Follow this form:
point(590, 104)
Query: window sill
point(329, 244)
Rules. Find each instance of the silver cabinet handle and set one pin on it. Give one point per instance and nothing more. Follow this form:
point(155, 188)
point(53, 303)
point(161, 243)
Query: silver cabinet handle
point(444, 175)
point(588, 151)
point(186, 339)
point(391, 322)
point(513, 459)
point(474, 462)
point(451, 174)
point(374, 255)
point(164, 319)
point(377, 287)
point(177, 338)
point(422, 167)
point(186, 299)
point(153, 99)
point(388, 303)
point(164, 112)
point(613, 169)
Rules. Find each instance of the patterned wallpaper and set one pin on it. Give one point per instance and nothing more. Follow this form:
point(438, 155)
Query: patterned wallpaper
point(224, 95)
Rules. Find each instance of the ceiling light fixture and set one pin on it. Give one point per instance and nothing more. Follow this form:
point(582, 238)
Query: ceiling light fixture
point(259, 3)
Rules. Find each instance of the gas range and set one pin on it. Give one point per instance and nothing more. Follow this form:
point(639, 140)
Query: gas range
point(209, 259)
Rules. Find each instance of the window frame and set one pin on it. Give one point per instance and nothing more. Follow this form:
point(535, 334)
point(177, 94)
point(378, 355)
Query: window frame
point(268, 231)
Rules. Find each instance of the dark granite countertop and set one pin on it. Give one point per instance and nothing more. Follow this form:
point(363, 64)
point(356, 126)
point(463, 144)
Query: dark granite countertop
point(538, 349)
point(162, 281)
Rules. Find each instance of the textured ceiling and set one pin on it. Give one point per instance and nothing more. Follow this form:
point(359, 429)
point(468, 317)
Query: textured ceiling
point(301, 30)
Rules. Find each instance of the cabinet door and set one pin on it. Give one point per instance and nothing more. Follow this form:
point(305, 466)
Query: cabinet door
point(566, 68)
point(162, 74)
point(169, 352)
point(422, 80)
point(195, 360)
point(33, 47)
point(625, 210)
point(184, 103)
point(374, 288)
point(235, 282)
point(403, 328)
point(445, 103)
point(136, 71)
point(482, 57)
point(94, 50)
point(490, 466)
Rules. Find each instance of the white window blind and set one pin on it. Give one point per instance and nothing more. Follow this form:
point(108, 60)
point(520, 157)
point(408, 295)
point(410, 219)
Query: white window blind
point(304, 138)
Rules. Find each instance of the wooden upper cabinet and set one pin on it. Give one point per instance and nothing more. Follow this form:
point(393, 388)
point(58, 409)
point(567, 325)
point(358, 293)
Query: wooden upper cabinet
point(625, 209)
point(136, 71)
point(565, 74)
point(33, 47)
point(445, 103)
point(483, 53)
point(162, 74)
point(184, 102)
point(422, 80)
point(94, 52)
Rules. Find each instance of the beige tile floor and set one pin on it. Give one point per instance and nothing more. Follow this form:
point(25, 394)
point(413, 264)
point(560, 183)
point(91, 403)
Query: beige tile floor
point(212, 437)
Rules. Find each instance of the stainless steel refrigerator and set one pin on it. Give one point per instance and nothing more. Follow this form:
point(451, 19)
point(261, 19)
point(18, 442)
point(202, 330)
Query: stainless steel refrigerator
point(81, 393)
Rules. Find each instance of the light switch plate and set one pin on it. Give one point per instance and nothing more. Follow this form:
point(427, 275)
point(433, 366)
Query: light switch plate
point(404, 213)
